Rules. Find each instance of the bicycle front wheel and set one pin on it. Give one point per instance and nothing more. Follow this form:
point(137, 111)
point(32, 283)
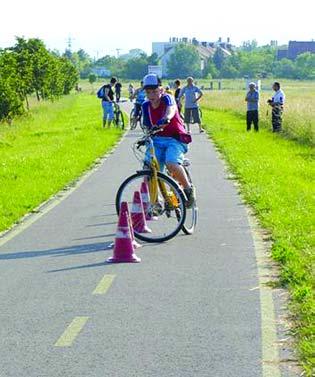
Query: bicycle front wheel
point(163, 220)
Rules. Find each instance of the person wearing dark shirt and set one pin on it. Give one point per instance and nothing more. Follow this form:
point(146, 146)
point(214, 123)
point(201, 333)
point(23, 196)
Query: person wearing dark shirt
point(118, 87)
point(176, 95)
point(108, 102)
point(252, 99)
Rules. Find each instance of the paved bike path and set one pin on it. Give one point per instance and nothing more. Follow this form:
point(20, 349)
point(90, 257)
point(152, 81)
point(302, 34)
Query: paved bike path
point(188, 309)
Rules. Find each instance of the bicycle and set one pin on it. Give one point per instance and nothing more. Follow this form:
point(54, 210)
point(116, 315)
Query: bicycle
point(119, 120)
point(167, 198)
point(135, 120)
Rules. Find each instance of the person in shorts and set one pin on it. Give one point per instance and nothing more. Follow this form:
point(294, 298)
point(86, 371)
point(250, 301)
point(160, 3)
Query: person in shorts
point(192, 95)
point(108, 102)
point(170, 143)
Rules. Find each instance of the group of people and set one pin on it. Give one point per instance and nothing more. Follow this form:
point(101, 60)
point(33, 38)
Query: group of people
point(190, 92)
point(276, 103)
point(160, 108)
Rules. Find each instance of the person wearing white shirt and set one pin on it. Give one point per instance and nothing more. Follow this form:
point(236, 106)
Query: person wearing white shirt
point(277, 103)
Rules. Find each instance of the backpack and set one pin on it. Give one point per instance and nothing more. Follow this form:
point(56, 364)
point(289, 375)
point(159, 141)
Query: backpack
point(101, 92)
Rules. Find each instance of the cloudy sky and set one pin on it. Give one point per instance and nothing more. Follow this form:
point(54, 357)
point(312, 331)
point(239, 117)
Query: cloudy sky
point(100, 27)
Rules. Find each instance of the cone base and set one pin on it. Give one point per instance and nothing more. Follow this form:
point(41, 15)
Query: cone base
point(151, 218)
point(132, 259)
point(143, 230)
point(136, 245)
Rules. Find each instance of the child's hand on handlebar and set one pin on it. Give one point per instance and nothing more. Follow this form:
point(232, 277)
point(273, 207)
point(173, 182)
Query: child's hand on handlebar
point(163, 122)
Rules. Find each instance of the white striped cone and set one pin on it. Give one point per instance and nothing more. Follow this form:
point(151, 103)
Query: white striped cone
point(137, 215)
point(123, 249)
point(124, 207)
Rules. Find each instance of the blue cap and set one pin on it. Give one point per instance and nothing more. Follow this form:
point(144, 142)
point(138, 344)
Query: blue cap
point(151, 81)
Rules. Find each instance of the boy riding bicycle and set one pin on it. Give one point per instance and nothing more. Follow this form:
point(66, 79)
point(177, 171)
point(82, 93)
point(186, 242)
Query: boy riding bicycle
point(171, 142)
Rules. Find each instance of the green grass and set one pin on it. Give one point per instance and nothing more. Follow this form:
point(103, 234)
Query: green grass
point(46, 150)
point(277, 180)
point(298, 116)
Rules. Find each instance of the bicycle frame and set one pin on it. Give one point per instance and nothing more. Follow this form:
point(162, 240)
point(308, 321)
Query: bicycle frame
point(155, 184)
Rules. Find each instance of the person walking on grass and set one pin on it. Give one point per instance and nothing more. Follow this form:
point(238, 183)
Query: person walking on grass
point(106, 93)
point(252, 99)
point(277, 103)
point(192, 95)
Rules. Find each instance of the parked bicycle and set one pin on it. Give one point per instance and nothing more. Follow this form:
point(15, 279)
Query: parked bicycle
point(135, 120)
point(119, 120)
point(167, 197)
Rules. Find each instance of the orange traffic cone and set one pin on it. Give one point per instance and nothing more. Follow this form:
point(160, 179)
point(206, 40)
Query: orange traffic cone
point(124, 207)
point(137, 215)
point(146, 202)
point(123, 249)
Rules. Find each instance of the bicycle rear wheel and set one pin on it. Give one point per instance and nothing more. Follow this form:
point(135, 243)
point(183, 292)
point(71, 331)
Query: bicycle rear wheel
point(168, 219)
point(119, 120)
point(191, 213)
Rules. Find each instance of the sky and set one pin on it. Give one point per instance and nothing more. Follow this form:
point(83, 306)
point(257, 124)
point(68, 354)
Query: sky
point(102, 27)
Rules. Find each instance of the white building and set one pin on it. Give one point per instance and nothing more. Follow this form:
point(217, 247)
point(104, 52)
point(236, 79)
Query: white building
point(205, 49)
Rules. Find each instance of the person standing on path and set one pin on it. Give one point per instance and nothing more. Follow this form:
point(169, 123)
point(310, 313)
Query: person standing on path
point(131, 92)
point(107, 95)
point(118, 87)
point(252, 99)
point(277, 103)
point(176, 95)
point(192, 95)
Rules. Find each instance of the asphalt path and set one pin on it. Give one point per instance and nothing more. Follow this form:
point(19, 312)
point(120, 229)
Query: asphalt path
point(190, 308)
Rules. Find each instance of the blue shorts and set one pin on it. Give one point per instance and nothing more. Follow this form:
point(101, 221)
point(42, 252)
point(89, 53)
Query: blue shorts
point(108, 110)
point(168, 151)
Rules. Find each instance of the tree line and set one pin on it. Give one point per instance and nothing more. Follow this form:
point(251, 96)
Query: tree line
point(29, 68)
point(247, 60)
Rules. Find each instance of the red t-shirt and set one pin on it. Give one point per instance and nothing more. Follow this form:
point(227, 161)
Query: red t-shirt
point(151, 116)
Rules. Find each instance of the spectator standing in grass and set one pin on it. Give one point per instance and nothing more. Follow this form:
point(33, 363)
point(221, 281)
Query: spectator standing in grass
point(277, 103)
point(252, 99)
point(192, 95)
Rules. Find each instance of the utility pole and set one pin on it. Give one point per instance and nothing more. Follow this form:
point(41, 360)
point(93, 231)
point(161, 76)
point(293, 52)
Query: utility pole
point(69, 43)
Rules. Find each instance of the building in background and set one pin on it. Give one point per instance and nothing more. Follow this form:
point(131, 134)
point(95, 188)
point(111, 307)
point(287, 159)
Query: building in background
point(296, 48)
point(205, 49)
point(101, 71)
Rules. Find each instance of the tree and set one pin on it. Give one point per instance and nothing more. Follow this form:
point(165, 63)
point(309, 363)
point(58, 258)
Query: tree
point(249, 45)
point(305, 65)
point(11, 98)
point(136, 68)
point(218, 58)
point(285, 68)
point(210, 71)
point(184, 61)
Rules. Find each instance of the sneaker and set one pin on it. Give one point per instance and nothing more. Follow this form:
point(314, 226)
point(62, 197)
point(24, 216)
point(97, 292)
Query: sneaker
point(191, 196)
point(201, 130)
